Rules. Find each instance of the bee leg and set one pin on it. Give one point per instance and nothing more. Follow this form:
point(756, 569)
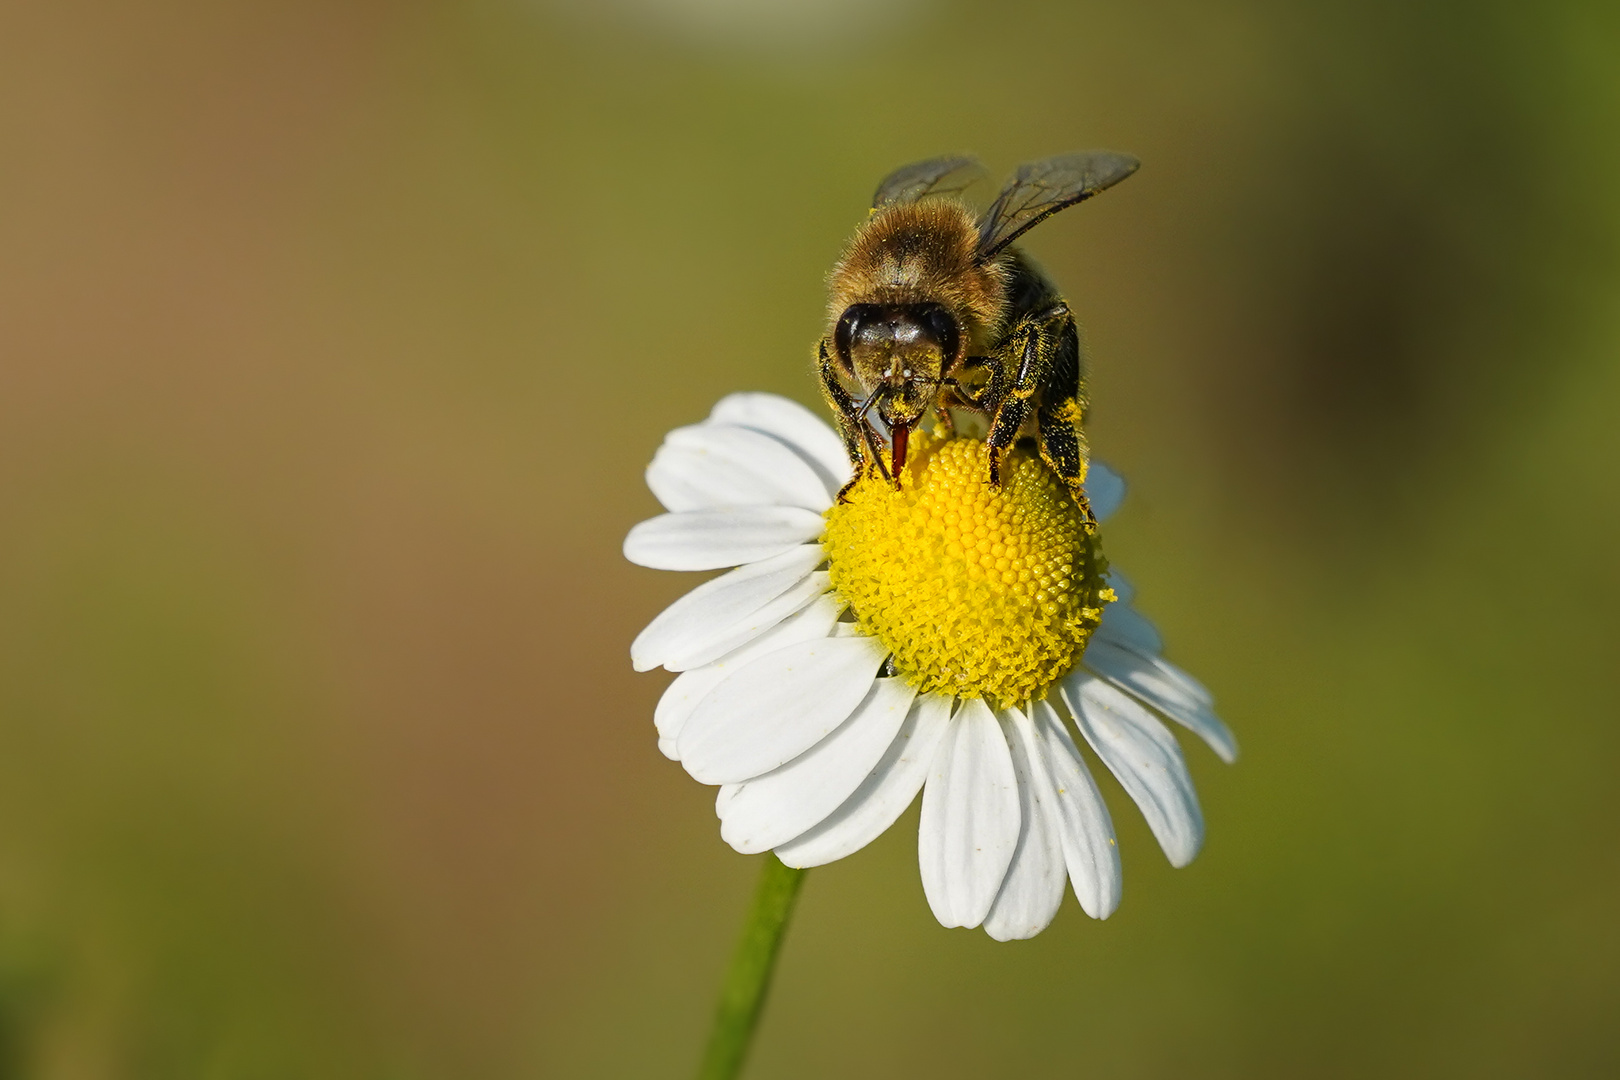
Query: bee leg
point(1061, 417)
point(845, 412)
point(1016, 373)
point(1046, 349)
point(860, 441)
point(1063, 447)
point(966, 388)
point(949, 399)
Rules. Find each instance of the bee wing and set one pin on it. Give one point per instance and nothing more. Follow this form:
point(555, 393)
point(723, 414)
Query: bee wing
point(1042, 188)
point(936, 176)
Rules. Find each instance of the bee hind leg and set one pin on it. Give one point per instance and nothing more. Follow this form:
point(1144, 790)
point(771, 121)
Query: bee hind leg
point(1063, 448)
point(1061, 420)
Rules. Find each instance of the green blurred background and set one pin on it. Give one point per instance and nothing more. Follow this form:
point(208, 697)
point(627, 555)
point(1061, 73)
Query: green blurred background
point(334, 338)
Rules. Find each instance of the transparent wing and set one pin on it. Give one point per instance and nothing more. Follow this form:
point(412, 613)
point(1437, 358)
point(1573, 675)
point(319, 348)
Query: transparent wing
point(1042, 188)
point(936, 176)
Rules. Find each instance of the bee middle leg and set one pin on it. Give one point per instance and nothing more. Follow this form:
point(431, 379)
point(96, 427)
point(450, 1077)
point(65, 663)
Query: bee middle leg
point(1038, 369)
point(1022, 367)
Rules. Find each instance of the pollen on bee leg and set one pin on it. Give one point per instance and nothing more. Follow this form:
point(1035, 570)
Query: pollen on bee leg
point(977, 590)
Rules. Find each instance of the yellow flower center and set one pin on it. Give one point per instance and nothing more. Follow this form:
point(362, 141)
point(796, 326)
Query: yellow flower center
point(977, 592)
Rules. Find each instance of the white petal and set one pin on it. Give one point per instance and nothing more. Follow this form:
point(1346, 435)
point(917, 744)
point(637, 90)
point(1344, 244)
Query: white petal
point(885, 793)
point(696, 653)
point(1176, 682)
point(714, 609)
point(723, 797)
point(1165, 687)
point(713, 466)
point(682, 696)
point(1033, 890)
point(795, 425)
point(1143, 754)
point(774, 808)
point(690, 687)
point(1124, 625)
point(970, 818)
point(712, 539)
point(774, 708)
point(1083, 825)
point(1105, 490)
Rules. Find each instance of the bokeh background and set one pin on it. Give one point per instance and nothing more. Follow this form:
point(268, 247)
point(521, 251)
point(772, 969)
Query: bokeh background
point(334, 337)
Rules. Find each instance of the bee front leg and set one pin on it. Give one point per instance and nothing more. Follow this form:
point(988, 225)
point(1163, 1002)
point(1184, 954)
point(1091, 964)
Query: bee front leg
point(966, 387)
point(859, 438)
point(948, 399)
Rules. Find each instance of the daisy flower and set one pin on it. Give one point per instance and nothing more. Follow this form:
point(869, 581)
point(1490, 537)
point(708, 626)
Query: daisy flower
point(941, 637)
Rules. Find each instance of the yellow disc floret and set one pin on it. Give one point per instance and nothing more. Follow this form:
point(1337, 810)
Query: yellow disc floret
point(977, 591)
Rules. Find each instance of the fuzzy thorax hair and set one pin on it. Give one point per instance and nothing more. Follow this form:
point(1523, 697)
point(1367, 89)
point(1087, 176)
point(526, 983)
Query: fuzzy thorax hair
point(921, 252)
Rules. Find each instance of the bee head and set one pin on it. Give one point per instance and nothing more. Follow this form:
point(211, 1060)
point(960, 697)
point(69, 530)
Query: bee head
point(900, 351)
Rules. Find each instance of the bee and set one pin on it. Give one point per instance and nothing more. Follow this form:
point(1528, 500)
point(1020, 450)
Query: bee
point(934, 309)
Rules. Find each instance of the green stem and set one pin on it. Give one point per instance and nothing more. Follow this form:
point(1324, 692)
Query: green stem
point(750, 976)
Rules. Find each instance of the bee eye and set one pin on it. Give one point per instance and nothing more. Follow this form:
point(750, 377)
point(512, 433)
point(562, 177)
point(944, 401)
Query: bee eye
point(849, 324)
point(942, 327)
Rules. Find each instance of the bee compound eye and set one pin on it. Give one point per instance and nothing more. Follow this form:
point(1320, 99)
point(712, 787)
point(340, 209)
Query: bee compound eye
point(942, 328)
point(849, 324)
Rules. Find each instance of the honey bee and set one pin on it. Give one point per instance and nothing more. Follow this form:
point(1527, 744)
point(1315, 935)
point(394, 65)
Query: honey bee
point(934, 309)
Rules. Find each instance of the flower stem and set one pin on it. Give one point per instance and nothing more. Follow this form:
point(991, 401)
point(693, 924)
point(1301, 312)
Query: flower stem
point(743, 996)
